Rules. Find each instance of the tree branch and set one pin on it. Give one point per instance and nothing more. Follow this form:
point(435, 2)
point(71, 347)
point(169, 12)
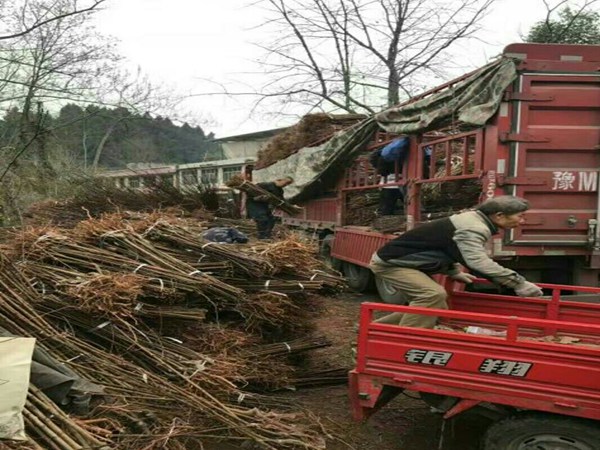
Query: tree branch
point(43, 22)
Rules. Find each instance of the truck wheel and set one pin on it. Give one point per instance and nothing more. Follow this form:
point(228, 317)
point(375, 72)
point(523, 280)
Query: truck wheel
point(358, 278)
point(388, 293)
point(543, 431)
point(325, 253)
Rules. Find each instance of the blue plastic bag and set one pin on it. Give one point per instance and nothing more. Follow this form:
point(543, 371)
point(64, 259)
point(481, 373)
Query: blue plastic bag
point(225, 235)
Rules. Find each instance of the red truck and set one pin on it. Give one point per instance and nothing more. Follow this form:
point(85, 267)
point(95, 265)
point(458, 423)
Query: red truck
point(542, 144)
point(536, 373)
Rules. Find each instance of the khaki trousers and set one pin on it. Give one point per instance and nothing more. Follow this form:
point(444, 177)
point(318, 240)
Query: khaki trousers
point(418, 288)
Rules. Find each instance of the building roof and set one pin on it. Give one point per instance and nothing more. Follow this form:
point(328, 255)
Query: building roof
point(217, 163)
point(164, 170)
point(254, 135)
point(273, 131)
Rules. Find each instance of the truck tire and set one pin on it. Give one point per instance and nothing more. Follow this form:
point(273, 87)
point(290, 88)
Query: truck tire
point(358, 278)
point(325, 253)
point(388, 293)
point(542, 431)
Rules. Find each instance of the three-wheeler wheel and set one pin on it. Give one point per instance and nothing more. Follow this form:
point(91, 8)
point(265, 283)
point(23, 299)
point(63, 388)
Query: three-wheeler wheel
point(539, 431)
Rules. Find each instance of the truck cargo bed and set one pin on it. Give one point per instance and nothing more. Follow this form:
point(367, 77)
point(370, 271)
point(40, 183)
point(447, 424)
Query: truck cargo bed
point(546, 358)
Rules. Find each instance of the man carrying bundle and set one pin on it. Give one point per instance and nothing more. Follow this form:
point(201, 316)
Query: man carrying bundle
point(441, 246)
point(261, 211)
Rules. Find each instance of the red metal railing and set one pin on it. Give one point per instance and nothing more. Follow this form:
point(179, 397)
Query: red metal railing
point(460, 154)
point(519, 369)
point(357, 246)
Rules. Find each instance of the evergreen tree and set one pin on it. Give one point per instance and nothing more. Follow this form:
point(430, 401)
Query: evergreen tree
point(126, 137)
point(571, 27)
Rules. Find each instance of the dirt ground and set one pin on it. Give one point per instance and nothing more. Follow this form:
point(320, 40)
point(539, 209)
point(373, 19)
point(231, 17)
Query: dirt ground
point(406, 423)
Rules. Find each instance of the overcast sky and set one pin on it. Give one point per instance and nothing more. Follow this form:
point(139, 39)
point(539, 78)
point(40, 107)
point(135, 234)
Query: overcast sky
point(186, 42)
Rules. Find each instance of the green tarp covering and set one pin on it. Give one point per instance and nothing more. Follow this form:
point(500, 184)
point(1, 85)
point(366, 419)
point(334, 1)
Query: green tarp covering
point(472, 101)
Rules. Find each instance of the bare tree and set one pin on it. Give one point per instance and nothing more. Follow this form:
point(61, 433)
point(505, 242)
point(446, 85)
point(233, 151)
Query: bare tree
point(360, 55)
point(49, 14)
point(66, 60)
point(54, 57)
point(58, 58)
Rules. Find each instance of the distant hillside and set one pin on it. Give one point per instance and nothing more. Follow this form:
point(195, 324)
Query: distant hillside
point(117, 137)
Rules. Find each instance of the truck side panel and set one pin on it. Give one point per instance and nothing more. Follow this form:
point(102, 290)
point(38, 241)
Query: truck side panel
point(357, 246)
point(555, 157)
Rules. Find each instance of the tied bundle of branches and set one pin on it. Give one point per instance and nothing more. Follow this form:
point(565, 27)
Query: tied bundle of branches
point(362, 207)
point(296, 258)
point(433, 190)
point(160, 393)
point(129, 253)
point(238, 182)
point(390, 224)
point(281, 286)
point(55, 427)
point(310, 131)
point(242, 262)
point(291, 255)
point(162, 390)
point(96, 196)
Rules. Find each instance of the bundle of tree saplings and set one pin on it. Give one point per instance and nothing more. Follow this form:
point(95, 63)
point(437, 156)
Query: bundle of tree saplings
point(313, 129)
point(390, 224)
point(159, 393)
point(362, 207)
point(93, 197)
point(253, 190)
point(183, 352)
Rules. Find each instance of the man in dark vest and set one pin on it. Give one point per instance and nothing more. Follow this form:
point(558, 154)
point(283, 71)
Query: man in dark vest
point(260, 210)
point(442, 246)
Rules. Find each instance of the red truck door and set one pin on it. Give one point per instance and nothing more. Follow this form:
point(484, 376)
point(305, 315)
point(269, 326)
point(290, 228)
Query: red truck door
point(555, 157)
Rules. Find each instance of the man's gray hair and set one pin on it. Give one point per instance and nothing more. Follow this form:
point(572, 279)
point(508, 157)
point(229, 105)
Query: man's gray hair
point(506, 204)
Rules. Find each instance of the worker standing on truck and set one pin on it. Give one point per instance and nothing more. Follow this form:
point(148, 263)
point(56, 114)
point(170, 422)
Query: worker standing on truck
point(388, 162)
point(261, 211)
point(441, 246)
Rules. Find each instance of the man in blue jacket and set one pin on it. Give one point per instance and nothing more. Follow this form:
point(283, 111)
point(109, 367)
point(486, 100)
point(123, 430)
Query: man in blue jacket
point(442, 246)
point(388, 162)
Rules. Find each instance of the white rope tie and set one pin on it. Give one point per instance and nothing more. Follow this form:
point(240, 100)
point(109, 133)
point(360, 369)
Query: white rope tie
point(99, 327)
point(162, 284)
point(278, 293)
point(289, 349)
point(139, 267)
point(74, 358)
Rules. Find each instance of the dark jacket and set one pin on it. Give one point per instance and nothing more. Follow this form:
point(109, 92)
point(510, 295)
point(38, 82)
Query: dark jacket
point(437, 247)
point(257, 208)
